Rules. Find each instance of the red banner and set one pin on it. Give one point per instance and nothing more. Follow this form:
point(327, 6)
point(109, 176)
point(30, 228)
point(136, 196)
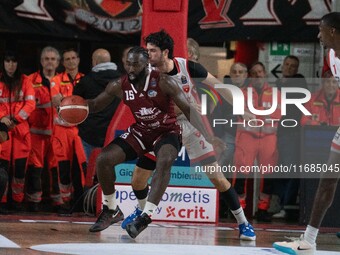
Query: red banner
point(209, 21)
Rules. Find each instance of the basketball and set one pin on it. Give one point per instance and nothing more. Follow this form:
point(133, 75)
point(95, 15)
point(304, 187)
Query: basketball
point(73, 110)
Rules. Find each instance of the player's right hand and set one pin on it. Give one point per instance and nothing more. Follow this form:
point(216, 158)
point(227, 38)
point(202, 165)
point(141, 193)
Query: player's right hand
point(248, 116)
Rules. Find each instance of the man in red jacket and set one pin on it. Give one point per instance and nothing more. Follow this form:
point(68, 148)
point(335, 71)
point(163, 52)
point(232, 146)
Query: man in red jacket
point(324, 104)
point(66, 143)
point(41, 128)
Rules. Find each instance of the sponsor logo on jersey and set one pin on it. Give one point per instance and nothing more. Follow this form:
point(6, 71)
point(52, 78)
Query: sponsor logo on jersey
point(184, 79)
point(186, 88)
point(152, 93)
point(146, 111)
point(147, 114)
point(153, 82)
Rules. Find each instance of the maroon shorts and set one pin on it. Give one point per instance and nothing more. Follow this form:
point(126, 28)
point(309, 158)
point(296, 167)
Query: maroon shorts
point(135, 144)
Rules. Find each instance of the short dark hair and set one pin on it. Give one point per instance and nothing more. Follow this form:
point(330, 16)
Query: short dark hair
point(162, 40)
point(292, 57)
point(332, 19)
point(257, 63)
point(68, 50)
point(140, 50)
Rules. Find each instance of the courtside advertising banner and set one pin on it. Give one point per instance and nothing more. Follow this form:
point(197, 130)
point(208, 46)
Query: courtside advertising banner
point(182, 204)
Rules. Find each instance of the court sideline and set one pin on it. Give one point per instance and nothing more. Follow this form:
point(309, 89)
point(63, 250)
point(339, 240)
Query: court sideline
point(52, 234)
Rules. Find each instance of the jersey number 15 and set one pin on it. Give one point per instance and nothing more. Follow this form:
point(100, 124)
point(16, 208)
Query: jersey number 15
point(129, 95)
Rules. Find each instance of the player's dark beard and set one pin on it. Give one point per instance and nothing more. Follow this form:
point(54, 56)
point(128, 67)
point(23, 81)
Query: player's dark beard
point(139, 77)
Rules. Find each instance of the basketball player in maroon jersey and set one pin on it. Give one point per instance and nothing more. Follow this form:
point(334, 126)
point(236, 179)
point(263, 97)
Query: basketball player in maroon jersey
point(160, 46)
point(151, 97)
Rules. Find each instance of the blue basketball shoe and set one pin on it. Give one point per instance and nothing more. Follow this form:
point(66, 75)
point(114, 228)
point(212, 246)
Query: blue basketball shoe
point(137, 212)
point(247, 232)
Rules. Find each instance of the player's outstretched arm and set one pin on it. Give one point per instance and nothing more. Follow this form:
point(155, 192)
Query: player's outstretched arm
point(225, 93)
point(113, 89)
point(170, 87)
point(212, 81)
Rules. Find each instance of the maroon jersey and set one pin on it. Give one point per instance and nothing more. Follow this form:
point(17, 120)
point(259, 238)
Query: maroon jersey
point(152, 110)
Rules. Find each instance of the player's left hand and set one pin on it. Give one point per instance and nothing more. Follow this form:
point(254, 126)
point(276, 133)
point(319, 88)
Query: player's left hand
point(219, 144)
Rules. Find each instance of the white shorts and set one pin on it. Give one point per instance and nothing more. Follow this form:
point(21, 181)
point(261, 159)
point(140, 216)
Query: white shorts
point(198, 149)
point(336, 142)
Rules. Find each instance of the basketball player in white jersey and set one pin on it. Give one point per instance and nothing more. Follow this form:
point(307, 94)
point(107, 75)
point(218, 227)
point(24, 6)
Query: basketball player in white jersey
point(160, 47)
point(329, 36)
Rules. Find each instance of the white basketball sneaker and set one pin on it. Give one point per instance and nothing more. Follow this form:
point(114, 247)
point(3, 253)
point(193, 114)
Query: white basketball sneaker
point(297, 246)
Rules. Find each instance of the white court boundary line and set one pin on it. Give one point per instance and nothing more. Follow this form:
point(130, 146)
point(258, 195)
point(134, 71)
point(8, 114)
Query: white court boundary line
point(156, 249)
point(6, 243)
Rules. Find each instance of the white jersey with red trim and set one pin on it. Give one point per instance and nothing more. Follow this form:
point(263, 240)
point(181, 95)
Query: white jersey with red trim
point(184, 80)
point(334, 64)
point(199, 150)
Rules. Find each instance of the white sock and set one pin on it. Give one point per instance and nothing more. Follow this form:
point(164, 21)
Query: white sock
point(142, 202)
point(311, 234)
point(149, 208)
point(110, 201)
point(239, 215)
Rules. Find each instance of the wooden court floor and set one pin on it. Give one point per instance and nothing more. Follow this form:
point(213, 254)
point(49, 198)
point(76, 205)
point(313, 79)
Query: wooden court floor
point(51, 234)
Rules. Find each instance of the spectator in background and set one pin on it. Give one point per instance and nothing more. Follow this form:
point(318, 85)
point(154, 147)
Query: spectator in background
point(239, 74)
point(67, 146)
point(41, 128)
point(289, 139)
point(17, 101)
point(324, 104)
point(257, 142)
point(193, 50)
point(103, 71)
